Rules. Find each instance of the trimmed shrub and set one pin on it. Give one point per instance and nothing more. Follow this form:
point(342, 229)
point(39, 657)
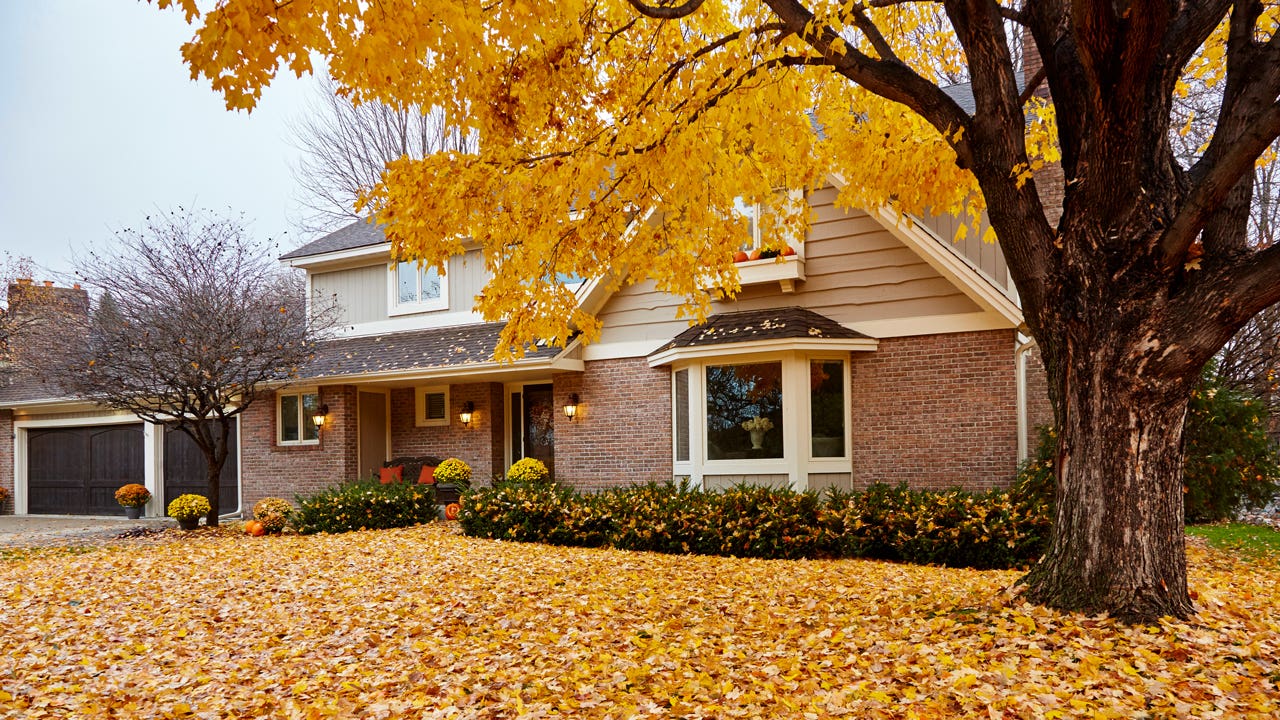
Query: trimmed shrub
point(365, 505)
point(1230, 462)
point(989, 530)
point(454, 471)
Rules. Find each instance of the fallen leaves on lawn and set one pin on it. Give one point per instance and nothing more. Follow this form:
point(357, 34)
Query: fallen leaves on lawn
point(425, 623)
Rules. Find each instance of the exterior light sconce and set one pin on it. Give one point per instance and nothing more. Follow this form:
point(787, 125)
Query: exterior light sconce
point(319, 417)
point(571, 407)
point(468, 411)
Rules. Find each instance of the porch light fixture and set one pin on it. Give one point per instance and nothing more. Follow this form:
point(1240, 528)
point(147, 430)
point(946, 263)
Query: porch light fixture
point(571, 407)
point(319, 416)
point(468, 409)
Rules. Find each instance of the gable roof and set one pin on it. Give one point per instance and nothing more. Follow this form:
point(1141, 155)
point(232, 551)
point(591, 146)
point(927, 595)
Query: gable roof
point(361, 233)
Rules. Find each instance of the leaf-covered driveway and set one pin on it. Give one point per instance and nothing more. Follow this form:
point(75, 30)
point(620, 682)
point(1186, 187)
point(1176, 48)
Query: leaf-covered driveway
point(425, 623)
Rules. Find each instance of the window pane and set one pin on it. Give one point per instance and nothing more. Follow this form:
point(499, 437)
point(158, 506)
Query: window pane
point(407, 282)
point(289, 418)
point(310, 406)
point(748, 211)
point(744, 411)
point(433, 406)
point(826, 383)
point(430, 284)
point(681, 403)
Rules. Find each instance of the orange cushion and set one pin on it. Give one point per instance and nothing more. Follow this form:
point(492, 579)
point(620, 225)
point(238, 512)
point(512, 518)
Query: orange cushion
point(388, 475)
point(428, 475)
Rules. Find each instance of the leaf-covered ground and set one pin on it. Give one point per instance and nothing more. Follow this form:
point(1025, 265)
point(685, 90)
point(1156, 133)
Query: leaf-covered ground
point(425, 623)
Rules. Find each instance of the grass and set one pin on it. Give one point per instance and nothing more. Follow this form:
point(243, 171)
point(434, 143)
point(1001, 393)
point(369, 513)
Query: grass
point(1250, 541)
point(425, 623)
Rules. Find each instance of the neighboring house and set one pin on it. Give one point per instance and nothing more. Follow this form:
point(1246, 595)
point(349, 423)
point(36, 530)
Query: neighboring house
point(880, 352)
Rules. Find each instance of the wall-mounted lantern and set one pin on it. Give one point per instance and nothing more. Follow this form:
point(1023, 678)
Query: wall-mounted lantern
point(319, 417)
point(468, 411)
point(571, 407)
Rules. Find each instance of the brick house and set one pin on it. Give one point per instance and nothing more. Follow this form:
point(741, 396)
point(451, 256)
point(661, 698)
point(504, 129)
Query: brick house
point(880, 351)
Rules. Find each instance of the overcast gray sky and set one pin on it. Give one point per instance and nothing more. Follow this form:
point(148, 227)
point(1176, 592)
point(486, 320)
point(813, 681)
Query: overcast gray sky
point(100, 124)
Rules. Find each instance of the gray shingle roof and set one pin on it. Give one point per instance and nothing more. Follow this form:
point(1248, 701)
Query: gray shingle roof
point(360, 233)
point(21, 387)
point(772, 324)
point(433, 349)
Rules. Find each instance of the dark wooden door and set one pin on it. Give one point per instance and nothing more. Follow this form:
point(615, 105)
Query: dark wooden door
point(185, 470)
point(539, 425)
point(76, 470)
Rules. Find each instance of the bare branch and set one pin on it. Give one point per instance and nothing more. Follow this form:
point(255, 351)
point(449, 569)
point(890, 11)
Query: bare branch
point(662, 11)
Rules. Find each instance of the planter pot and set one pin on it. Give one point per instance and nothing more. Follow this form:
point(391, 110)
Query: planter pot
point(189, 524)
point(757, 439)
point(133, 513)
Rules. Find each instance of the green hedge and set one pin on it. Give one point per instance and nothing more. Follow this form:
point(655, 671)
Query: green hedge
point(365, 505)
point(988, 530)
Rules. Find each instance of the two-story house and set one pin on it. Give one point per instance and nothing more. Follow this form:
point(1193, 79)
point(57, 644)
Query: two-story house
point(880, 351)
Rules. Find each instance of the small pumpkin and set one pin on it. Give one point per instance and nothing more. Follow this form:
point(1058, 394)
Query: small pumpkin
point(255, 528)
point(788, 251)
point(451, 511)
point(755, 254)
point(740, 256)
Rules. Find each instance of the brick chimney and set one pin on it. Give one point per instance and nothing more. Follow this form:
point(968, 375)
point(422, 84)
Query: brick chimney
point(1050, 180)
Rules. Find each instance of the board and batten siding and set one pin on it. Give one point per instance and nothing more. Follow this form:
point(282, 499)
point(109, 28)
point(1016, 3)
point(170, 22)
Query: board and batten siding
point(856, 271)
point(985, 256)
point(361, 292)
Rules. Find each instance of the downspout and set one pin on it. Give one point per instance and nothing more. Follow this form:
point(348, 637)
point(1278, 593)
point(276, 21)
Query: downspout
point(1024, 345)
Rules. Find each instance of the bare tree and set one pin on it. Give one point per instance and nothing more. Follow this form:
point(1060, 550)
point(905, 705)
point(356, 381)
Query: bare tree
point(193, 320)
point(345, 147)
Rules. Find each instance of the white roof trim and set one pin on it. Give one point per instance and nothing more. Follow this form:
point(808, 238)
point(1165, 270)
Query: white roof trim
point(950, 265)
point(752, 347)
point(379, 251)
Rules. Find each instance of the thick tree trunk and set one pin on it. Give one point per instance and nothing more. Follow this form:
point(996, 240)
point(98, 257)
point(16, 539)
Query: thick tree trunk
point(1118, 543)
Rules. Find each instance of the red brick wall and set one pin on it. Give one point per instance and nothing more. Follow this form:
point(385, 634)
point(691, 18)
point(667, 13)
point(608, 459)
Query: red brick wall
point(936, 411)
point(6, 459)
point(267, 469)
point(479, 445)
point(623, 431)
point(1039, 409)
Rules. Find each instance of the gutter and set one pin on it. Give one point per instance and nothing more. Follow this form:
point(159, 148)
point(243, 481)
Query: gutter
point(1024, 346)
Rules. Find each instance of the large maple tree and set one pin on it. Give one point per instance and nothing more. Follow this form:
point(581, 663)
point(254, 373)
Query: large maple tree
point(614, 131)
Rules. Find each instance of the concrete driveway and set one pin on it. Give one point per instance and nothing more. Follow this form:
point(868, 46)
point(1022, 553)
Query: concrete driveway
point(38, 530)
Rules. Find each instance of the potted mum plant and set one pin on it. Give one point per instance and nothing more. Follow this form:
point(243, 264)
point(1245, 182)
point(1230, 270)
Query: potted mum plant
point(188, 509)
point(132, 497)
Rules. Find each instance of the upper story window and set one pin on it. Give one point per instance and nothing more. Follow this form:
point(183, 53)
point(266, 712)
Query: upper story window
point(417, 289)
point(753, 212)
point(294, 411)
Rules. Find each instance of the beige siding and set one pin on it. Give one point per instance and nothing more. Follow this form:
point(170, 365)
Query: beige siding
point(824, 481)
point(987, 257)
point(362, 291)
point(856, 271)
point(724, 482)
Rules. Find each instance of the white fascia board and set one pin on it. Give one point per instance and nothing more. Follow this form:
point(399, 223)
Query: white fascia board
point(763, 346)
point(110, 419)
point(950, 265)
point(559, 363)
point(340, 257)
point(52, 405)
point(596, 291)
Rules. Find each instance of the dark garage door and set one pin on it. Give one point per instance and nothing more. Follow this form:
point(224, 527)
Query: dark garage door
point(76, 470)
point(185, 468)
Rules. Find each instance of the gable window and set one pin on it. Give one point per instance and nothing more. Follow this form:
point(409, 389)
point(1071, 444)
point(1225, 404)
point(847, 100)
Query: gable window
point(431, 406)
point(753, 213)
point(744, 411)
point(293, 418)
point(417, 289)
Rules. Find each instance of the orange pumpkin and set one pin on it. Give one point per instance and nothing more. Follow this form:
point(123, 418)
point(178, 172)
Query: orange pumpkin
point(255, 528)
point(755, 255)
point(789, 251)
point(740, 256)
point(451, 511)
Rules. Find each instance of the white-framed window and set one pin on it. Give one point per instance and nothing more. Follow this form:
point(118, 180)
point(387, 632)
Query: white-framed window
point(294, 410)
point(415, 289)
point(777, 412)
point(752, 213)
point(431, 406)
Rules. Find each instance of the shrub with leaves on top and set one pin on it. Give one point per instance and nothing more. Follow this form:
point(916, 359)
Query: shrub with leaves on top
point(273, 513)
point(365, 505)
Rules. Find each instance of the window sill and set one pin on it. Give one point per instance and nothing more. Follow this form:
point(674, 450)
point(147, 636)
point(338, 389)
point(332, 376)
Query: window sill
point(417, 309)
point(785, 271)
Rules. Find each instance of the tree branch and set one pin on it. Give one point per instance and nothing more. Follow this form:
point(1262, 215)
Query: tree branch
point(666, 12)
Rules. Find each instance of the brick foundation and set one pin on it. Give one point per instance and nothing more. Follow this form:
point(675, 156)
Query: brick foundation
point(936, 411)
point(622, 434)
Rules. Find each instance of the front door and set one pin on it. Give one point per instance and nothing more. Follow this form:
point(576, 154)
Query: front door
point(533, 431)
point(373, 432)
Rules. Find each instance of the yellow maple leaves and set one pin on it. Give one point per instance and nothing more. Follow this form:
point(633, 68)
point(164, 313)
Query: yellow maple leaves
point(424, 623)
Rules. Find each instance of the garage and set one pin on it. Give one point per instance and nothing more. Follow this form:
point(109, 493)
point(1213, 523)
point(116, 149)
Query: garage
point(76, 470)
point(185, 468)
